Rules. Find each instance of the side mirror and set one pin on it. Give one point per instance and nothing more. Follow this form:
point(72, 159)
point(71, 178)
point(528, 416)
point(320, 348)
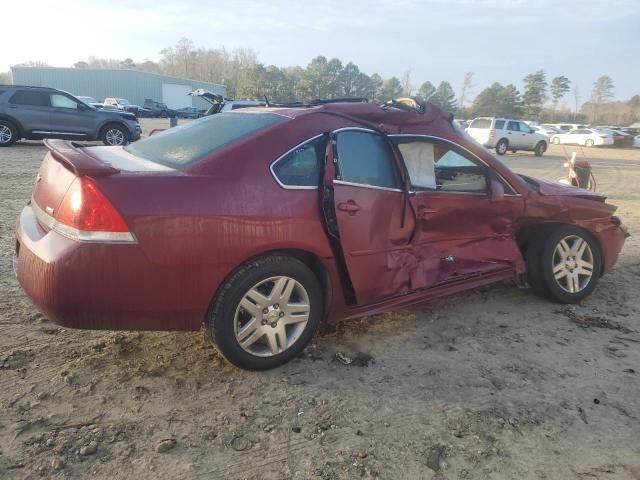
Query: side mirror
point(496, 190)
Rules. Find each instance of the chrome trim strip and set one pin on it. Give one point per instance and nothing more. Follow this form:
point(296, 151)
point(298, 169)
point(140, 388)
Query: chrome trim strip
point(359, 129)
point(80, 235)
point(60, 133)
point(273, 164)
point(362, 185)
point(466, 150)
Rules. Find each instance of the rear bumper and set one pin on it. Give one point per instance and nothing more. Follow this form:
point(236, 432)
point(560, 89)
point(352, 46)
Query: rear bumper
point(100, 285)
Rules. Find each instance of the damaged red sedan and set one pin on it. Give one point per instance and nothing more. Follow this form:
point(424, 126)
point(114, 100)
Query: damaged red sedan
point(262, 222)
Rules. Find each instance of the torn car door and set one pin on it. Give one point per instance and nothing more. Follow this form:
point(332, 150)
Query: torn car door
point(369, 205)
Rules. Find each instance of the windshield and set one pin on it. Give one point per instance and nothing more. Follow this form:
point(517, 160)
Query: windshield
point(181, 146)
point(88, 99)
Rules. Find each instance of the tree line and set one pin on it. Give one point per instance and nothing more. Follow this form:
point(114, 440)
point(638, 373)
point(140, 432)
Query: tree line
point(245, 77)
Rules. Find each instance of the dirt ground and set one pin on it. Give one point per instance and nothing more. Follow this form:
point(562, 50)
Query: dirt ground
point(491, 384)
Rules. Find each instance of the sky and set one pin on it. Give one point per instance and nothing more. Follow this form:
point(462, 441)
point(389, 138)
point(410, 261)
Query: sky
point(436, 40)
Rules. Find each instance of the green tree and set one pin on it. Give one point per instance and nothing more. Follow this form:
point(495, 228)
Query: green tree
point(497, 100)
point(601, 93)
point(321, 78)
point(375, 86)
point(391, 88)
point(426, 90)
point(560, 86)
point(602, 90)
point(634, 106)
point(509, 101)
point(349, 78)
point(535, 87)
point(445, 98)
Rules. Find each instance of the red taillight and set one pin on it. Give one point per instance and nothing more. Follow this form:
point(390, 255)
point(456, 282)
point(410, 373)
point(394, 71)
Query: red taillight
point(492, 133)
point(85, 208)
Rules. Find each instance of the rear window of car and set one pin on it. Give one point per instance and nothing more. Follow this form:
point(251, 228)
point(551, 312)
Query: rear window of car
point(181, 146)
point(481, 123)
point(30, 97)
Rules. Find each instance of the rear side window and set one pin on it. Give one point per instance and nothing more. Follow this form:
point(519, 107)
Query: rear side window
point(301, 167)
point(499, 124)
point(189, 143)
point(30, 97)
point(365, 158)
point(481, 123)
point(513, 126)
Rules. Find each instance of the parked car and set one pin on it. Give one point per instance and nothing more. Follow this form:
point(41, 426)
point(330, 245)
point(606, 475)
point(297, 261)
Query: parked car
point(90, 101)
point(546, 131)
point(620, 138)
point(220, 104)
point(121, 104)
point(190, 112)
point(245, 221)
point(159, 109)
point(584, 136)
point(565, 127)
point(506, 134)
point(39, 112)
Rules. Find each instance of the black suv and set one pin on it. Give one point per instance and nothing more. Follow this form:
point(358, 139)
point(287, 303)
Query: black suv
point(38, 112)
point(159, 109)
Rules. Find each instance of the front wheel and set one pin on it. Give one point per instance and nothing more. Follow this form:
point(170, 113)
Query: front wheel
point(564, 264)
point(266, 312)
point(541, 147)
point(114, 135)
point(502, 146)
point(8, 133)
point(589, 143)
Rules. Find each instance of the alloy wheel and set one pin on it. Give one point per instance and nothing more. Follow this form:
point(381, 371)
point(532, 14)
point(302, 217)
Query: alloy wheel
point(114, 137)
point(271, 316)
point(573, 264)
point(5, 134)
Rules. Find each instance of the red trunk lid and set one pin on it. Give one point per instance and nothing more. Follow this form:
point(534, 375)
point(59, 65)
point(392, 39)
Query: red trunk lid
point(62, 163)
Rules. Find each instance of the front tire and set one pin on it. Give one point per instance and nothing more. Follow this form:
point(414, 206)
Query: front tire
point(589, 143)
point(266, 312)
point(502, 146)
point(8, 133)
point(541, 147)
point(114, 135)
point(564, 264)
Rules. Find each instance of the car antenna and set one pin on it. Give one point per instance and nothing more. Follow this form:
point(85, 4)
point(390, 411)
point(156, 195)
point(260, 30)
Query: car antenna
point(266, 101)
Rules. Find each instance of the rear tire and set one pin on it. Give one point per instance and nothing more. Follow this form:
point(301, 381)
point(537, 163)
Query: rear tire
point(8, 133)
point(114, 134)
point(246, 310)
point(541, 147)
point(564, 264)
point(502, 146)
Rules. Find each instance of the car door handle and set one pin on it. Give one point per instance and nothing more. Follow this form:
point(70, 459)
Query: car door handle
point(350, 207)
point(425, 212)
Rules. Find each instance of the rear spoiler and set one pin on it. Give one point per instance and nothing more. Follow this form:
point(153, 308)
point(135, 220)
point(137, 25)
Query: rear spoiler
point(74, 157)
